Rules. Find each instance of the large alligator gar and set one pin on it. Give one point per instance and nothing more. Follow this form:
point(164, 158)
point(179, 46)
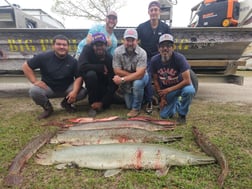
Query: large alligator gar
point(106, 136)
point(212, 150)
point(115, 157)
point(122, 124)
point(14, 178)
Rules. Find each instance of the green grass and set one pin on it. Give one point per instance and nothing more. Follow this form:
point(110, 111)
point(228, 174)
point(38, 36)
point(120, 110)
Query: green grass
point(228, 125)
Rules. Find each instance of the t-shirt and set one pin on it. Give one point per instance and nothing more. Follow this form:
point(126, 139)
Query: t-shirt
point(169, 73)
point(102, 29)
point(57, 73)
point(149, 38)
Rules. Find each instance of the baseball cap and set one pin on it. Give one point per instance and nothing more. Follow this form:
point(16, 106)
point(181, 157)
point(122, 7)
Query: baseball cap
point(130, 32)
point(99, 37)
point(166, 37)
point(154, 3)
point(112, 13)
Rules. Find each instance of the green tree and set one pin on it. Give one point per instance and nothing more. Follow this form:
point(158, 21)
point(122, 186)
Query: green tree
point(95, 10)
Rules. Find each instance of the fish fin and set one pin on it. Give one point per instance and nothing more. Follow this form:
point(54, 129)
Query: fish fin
point(112, 172)
point(162, 172)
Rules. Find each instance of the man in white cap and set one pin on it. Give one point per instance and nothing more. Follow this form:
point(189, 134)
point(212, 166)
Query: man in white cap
point(129, 64)
point(148, 35)
point(171, 76)
point(107, 29)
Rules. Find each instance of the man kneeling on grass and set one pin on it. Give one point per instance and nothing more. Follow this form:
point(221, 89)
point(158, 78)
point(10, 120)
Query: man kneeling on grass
point(171, 77)
point(129, 63)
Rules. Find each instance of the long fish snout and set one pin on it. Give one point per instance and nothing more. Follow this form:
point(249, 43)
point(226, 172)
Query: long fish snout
point(202, 161)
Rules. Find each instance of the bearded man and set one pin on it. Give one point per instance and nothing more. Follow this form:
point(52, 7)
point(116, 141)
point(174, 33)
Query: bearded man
point(96, 70)
point(129, 64)
point(172, 81)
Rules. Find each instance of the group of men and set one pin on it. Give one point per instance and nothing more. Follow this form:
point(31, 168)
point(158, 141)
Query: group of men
point(145, 56)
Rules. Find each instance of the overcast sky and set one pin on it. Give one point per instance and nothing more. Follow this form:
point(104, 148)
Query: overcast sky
point(134, 13)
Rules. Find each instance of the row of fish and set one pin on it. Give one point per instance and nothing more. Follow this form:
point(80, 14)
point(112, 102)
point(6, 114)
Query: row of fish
point(117, 145)
point(114, 145)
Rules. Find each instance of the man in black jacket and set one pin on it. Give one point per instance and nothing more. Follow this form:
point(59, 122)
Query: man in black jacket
point(148, 36)
point(96, 70)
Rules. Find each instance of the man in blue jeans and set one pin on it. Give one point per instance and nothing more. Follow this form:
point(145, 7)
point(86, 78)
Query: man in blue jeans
point(171, 77)
point(129, 64)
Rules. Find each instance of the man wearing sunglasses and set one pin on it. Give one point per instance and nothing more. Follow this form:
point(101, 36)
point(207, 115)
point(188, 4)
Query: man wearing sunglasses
point(107, 30)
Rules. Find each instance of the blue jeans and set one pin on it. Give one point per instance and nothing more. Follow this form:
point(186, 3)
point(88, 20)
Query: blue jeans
point(134, 98)
point(41, 96)
point(148, 90)
point(175, 105)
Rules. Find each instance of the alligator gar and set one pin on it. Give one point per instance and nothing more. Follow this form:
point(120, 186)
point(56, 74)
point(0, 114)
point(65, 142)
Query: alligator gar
point(115, 157)
point(14, 178)
point(212, 150)
point(122, 124)
point(106, 136)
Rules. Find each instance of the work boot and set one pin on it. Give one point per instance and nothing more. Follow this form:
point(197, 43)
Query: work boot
point(181, 119)
point(68, 107)
point(48, 110)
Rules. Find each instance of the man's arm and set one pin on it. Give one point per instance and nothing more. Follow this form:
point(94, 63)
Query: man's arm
point(127, 76)
point(71, 97)
point(29, 73)
point(186, 81)
point(163, 101)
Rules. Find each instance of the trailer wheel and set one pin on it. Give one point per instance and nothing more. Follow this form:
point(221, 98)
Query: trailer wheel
point(195, 81)
point(226, 23)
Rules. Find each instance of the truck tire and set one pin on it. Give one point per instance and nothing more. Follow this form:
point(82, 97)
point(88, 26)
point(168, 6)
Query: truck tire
point(194, 80)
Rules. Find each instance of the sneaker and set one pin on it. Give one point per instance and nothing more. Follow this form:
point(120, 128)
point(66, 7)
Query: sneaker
point(68, 107)
point(133, 113)
point(148, 108)
point(92, 112)
point(181, 119)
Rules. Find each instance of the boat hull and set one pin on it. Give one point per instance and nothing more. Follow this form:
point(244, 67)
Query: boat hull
point(195, 43)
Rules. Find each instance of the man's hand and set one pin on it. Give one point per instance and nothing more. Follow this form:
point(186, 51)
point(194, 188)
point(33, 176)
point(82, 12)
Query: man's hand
point(71, 97)
point(105, 70)
point(162, 103)
point(40, 84)
point(117, 79)
point(163, 92)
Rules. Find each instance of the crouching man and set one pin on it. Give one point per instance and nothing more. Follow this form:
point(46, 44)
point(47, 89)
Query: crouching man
point(96, 70)
point(171, 77)
point(59, 77)
point(129, 63)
